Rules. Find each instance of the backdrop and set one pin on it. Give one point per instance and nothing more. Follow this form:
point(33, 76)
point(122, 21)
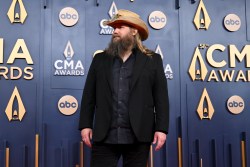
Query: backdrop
point(46, 48)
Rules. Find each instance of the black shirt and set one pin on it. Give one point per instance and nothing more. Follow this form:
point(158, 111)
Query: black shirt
point(120, 131)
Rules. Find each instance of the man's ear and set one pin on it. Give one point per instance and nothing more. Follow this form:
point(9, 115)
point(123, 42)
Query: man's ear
point(134, 31)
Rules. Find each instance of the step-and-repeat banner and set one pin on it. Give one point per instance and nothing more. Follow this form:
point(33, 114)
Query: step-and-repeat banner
point(46, 48)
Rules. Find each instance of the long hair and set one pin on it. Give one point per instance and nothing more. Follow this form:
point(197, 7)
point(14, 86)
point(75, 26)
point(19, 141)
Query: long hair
point(141, 47)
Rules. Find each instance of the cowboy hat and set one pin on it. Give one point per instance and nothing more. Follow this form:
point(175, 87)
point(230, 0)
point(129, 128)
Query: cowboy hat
point(129, 18)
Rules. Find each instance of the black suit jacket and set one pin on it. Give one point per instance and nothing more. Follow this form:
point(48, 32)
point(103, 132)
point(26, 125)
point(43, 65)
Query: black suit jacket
point(148, 100)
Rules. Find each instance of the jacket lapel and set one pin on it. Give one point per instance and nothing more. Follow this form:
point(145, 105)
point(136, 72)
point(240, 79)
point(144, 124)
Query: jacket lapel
point(140, 61)
point(108, 71)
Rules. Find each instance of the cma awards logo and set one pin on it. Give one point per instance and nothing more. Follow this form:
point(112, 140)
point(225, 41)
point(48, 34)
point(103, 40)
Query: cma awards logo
point(201, 18)
point(19, 52)
point(68, 66)
point(17, 12)
point(167, 68)
point(15, 109)
point(105, 29)
point(198, 70)
point(205, 107)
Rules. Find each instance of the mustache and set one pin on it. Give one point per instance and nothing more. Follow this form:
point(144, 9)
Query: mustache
point(118, 47)
point(115, 35)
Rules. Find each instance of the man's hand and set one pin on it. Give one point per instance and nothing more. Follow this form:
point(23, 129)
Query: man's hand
point(86, 134)
point(160, 139)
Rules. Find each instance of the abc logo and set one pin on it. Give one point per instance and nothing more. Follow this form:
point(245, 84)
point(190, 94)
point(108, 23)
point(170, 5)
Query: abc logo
point(67, 105)
point(235, 104)
point(157, 20)
point(68, 16)
point(232, 22)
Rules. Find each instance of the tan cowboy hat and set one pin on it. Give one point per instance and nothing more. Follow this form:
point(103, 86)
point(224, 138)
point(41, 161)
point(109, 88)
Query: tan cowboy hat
point(129, 18)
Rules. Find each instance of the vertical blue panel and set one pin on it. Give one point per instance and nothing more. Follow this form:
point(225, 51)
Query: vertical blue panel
point(2, 157)
point(248, 19)
point(19, 133)
point(60, 127)
point(25, 156)
point(22, 132)
point(60, 37)
point(222, 121)
point(214, 154)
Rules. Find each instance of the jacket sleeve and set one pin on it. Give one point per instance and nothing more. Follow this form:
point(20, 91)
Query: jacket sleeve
point(160, 93)
point(88, 98)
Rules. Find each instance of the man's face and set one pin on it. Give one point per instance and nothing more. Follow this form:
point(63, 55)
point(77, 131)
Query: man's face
point(122, 40)
point(122, 31)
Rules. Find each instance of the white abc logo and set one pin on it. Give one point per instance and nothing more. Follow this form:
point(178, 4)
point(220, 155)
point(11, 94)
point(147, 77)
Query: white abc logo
point(157, 20)
point(232, 22)
point(68, 16)
point(235, 104)
point(67, 105)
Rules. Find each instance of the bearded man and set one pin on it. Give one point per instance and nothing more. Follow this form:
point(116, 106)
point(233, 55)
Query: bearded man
point(125, 99)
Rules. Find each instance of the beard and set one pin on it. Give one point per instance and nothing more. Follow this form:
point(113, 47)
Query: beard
point(120, 45)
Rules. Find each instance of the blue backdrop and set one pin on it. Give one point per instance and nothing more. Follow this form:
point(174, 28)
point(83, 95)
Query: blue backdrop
point(214, 142)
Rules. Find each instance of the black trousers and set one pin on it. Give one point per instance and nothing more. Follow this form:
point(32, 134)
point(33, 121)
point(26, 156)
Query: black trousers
point(107, 155)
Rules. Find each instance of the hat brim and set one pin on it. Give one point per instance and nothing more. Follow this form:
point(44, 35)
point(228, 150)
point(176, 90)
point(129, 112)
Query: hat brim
point(136, 23)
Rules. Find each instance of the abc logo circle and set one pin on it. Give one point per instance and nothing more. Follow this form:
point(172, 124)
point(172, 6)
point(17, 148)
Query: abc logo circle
point(67, 105)
point(157, 20)
point(235, 104)
point(232, 22)
point(68, 16)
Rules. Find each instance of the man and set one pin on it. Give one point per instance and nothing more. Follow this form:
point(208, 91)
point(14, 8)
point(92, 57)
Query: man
point(125, 99)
